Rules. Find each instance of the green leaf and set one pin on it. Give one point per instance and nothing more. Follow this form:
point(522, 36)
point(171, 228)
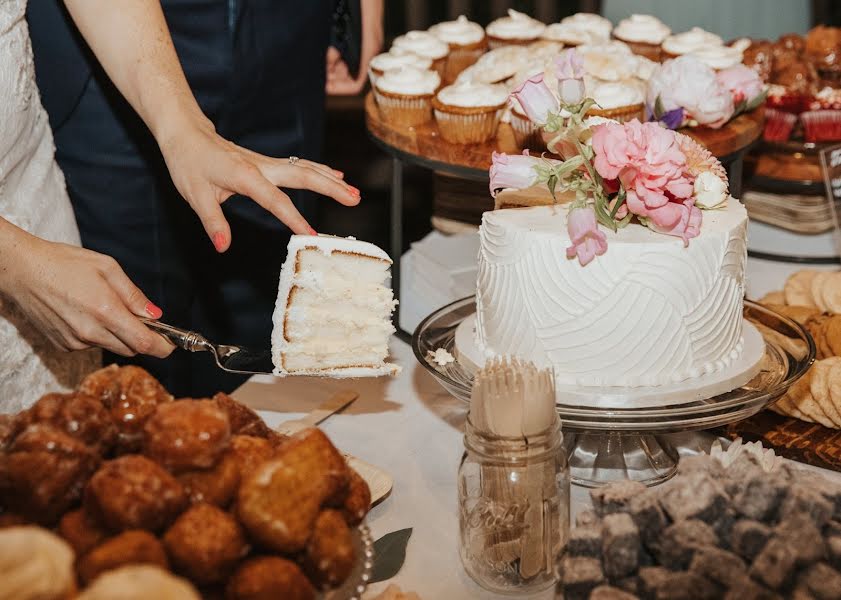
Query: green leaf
point(756, 101)
point(620, 200)
point(389, 554)
point(740, 108)
point(622, 223)
point(552, 183)
point(659, 109)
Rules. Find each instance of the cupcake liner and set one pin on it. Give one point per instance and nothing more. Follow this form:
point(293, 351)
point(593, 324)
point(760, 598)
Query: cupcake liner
point(462, 125)
point(621, 113)
point(822, 125)
point(649, 51)
point(778, 125)
point(790, 102)
point(527, 135)
point(462, 57)
point(402, 109)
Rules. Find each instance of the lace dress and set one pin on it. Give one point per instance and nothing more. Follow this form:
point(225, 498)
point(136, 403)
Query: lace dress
point(33, 197)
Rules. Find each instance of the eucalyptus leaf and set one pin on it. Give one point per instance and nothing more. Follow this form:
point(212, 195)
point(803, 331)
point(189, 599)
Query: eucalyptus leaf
point(659, 109)
point(741, 107)
point(552, 183)
point(390, 554)
point(756, 101)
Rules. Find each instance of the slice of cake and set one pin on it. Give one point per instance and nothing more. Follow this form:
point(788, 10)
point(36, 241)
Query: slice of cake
point(333, 311)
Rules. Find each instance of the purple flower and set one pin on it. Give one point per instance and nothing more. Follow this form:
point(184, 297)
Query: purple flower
point(672, 119)
point(569, 69)
point(587, 240)
point(536, 99)
point(513, 171)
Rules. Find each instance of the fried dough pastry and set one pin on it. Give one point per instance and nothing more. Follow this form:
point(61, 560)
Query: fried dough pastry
point(135, 547)
point(103, 385)
point(269, 578)
point(133, 492)
point(217, 485)
point(35, 565)
point(205, 543)
point(280, 500)
point(43, 473)
point(243, 420)
point(186, 435)
point(81, 531)
point(329, 555)
point(250, 452)
point(138, 398)
point(78, 415)
point(357, 503)
point(139, 582)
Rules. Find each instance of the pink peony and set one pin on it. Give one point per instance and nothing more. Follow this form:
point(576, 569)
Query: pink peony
point(513, 171)
point(536, 99)
point(688, 224)
point(742, 82)
point(569, 70)
point(587, 240)
point(685, 82)
point(647, 161)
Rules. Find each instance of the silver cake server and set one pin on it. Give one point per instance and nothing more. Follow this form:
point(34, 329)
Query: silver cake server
point(229, 358)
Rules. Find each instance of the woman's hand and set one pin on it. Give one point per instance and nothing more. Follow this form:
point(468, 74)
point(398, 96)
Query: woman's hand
point(77, 298)
point(208, 169)
point(340, 82)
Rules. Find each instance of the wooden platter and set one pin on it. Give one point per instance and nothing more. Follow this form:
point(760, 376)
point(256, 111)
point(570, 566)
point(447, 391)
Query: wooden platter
point(425, 145)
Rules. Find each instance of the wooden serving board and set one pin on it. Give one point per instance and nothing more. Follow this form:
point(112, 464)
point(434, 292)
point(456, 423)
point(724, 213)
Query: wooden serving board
point(795, 212)
point(794, 439)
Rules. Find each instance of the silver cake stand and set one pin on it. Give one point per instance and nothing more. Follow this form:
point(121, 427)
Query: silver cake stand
point(608, 444)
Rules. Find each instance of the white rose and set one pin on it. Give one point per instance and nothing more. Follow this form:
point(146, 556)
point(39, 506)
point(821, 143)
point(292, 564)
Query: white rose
point(685, 82)
point(710, 191)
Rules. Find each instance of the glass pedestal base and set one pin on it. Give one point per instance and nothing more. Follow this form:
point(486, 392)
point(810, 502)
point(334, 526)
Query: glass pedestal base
point(599, 458)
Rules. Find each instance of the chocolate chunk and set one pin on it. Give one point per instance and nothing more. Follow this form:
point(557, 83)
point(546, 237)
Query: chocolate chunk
point(742, 470)
point(620, 545)
point(700, 462)
point(748, 538)
point(628, 584)
point(760, 497)
point(831, 529)
point(695, 495)
point(580, 576)
point(800, 500)
point(681, 539)
point(802, 537)
point(723, 526)
point(650, 578)
point(719, 566)
point(606, 592)
point(586, 517)
point(687, 586)
point(775, 565)
point(833, 545)
point(647, 513)
point(615, 497)
point(748, 589)
point(585, 541)
point(822, 581)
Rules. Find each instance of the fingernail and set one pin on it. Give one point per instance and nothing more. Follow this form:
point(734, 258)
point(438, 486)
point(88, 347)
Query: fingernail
point(354, 191)
point(339, 173)
point(219, 241)
point(153, 311)
point(311, 231)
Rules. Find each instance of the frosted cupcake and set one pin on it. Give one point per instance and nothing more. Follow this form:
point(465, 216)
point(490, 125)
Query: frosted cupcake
point(719, 57)
point(608, 62)
point(388, 61)
point(596, 24)
point(570, 34)
point(620, 101)
point(468, 113)
point(688, 41)
point(644, 34)
point(467, 42)
point(497, 65)
point(423, 44)
point(404, 95)
point(517, 28)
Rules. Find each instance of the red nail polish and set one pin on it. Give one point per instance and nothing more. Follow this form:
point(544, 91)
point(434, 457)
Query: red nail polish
point(312, 231)
point(354, 191)
point(219, 241)
point(153, 311)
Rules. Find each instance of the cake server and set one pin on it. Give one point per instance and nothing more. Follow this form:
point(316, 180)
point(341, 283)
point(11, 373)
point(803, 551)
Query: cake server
point(233, 359)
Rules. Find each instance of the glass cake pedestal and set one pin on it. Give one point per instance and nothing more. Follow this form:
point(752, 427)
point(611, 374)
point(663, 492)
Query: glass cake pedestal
point(608, 441)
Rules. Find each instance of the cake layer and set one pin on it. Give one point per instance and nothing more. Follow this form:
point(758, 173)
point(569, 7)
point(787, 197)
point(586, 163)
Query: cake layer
point(648, 312)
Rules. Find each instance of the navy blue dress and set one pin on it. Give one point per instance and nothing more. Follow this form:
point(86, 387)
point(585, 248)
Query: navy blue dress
point(257, 69)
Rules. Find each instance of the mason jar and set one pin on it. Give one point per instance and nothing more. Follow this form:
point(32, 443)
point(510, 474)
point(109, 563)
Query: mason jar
point(513, 509)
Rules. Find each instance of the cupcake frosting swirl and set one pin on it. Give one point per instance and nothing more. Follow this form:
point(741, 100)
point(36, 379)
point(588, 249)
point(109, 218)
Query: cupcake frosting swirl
point(642, 28)
point(421, 43)
point(473, 94)
point(497, 65)
point(718, 57)
point(409, 81)
point(516, 26)
point(616, 94)
point(389, 60)
point(459, 32)
point(608, 62)
point(594, 23)
point(572, 34)
point(695, 38)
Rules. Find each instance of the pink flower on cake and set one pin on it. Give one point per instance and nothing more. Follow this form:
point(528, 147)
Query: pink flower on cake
point(569, 70)
point(536, 99)
point(685, 82)
point(688, 223)
point(743, 83)
point(513, 171)
point(587, 240)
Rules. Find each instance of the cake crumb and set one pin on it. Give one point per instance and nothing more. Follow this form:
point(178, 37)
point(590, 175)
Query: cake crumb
point(441, 357)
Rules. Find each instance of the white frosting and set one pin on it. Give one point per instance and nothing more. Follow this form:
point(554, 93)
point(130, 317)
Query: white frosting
point(409, 81)
point(608, 62)
point(472, 94)
point(645, 68)
point(694, 39)
point(600, 26)
point(516, 26)
point(718, 57)
point(421, 43)
point(648, 312)
point(616, 94)
point(642, 28)
point(389, 60)
point(572, 34)
point(460, 32)
point(497, 65)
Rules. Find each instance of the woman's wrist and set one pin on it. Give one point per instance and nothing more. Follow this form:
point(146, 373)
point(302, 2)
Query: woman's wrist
point(15, 246)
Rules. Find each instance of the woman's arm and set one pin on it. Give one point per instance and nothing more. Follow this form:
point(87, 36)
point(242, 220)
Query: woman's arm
point(131, 40)
point(339, 80)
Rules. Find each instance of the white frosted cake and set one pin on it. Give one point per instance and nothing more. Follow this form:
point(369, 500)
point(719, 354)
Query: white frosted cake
point(648, 312)
point(333, 311)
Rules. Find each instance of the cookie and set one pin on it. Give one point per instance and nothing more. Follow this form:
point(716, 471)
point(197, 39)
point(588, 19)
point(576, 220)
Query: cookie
point(819, 281)
point(831, 292)
point(776, 297)
point(798, 288)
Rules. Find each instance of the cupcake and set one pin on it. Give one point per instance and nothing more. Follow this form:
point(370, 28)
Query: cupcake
point(570, 34)
point(821, 125)
point(778, 125)
point(516, 28)
point(620, 101)
point(719, 57)
point(644, 34)
point(595, 24)
point(467, 42)
point(404, 95)
point(423, 44)
point(468, 113)
point(689, 41)
point(388, 61)
point(608, 62)
point(497, 65)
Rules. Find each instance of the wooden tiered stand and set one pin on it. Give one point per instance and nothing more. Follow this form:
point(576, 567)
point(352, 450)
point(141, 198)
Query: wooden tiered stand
point(423, 146)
